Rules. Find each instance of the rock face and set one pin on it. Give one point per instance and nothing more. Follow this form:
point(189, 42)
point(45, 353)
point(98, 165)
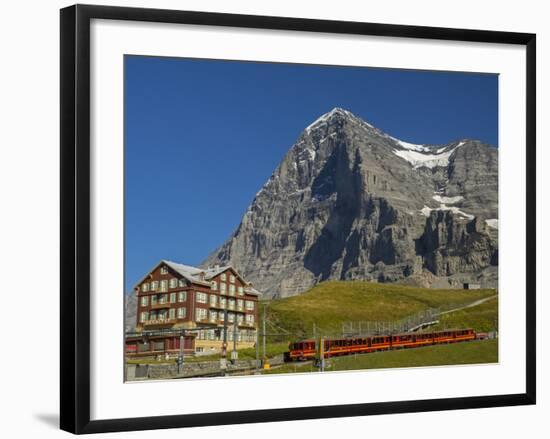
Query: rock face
point(349, 201)
point(130, 312)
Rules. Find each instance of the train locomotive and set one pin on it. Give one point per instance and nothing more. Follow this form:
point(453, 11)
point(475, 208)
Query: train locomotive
point(308, 349)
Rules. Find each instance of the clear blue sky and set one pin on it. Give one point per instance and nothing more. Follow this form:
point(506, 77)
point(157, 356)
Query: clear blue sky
point(202, 137)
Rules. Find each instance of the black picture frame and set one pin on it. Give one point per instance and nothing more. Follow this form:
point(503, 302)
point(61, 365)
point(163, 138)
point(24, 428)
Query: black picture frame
point(75, 217)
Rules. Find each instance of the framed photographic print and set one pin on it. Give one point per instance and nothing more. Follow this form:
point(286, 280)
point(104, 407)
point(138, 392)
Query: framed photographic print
point(318, 218)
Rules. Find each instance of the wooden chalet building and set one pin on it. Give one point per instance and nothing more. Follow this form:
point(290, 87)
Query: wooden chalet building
point(179, 302)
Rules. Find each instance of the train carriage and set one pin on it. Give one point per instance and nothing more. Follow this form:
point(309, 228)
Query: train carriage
point(308, 349)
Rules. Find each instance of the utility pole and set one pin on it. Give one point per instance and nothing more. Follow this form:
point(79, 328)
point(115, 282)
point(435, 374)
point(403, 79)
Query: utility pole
point(223, 359)
point(322, 354)
point(180, 355)
point(264, 335)
point(257, 350)
point(234, 354)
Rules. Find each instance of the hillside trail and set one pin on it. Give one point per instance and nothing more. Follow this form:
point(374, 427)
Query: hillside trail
point(469, 305)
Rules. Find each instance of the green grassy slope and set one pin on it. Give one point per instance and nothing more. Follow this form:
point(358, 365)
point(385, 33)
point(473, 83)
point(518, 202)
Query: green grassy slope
point(482, 318)
point(329, 304)
point(475, 352)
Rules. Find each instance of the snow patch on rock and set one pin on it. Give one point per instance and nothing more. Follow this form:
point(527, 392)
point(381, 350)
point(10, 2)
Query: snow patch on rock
point(427, 160)
point(427, 210)
point(410, 146)
point(420, 156)
point(448, 200)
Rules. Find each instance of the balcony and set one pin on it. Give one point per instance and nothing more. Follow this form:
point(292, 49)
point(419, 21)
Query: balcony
point(160, 305)
point(156, 322)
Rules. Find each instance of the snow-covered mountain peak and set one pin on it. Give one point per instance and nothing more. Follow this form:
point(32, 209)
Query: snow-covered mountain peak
point(335, 112)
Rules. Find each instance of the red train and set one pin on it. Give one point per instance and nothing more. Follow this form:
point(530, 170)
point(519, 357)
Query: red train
point(306, 349)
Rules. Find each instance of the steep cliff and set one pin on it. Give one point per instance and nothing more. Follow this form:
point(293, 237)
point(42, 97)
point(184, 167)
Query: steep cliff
point(349, 201)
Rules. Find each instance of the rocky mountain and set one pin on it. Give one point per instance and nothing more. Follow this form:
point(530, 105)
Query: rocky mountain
point(349, 201)
point(130, 311)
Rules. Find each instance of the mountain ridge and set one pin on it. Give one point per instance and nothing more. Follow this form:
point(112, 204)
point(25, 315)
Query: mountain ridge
point(349, 201)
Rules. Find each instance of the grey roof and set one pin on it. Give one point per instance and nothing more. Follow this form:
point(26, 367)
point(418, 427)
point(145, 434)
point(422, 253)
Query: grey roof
point(214, 271)
point(187, 271)
point(192, 274)
point(253, 291)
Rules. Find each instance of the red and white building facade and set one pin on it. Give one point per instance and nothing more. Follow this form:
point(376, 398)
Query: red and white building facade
point(180, 302)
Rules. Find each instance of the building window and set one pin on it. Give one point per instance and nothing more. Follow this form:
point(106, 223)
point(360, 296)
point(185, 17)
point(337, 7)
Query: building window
point(240, 304)
point(145, 287)
point(232, 279)
point(172, 313)
point(163, 298)
point(230, 317)
point(250, 319)
point(182, 296)
point(223, 276)
point(144, 300)
point(201, 313)
point(163, 270)
point(232, 289)
point(223, 302)
point(213, 300)
point(154, 299)
point(241, 291)
point(240, 319)
point(173, 283)
point(249, 305)
point(231, 304)
point(181, 312)
point(172, 297)
point(163, 286)
point(154, 285)
point(182, 283)
point(213, 316)
point(202, 297)
point(163, 314)
point(143, 317)
point(213, 285)
point(223, 288)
